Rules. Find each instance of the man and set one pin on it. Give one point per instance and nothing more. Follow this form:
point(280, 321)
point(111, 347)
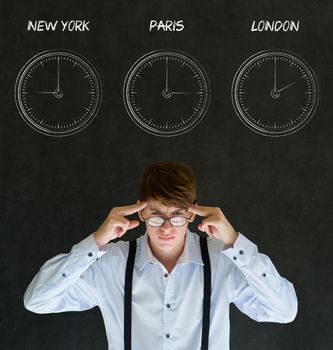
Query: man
point(173, 300)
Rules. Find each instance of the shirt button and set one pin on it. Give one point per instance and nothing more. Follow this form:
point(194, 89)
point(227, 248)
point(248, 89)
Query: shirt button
point(90, 254)
point(235, 257)
point(167, 335)
point(168, 306)
point(263, 275)
point(241, 252)
point(166, 275)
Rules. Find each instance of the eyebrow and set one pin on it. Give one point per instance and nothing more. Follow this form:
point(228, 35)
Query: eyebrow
point(158, 211)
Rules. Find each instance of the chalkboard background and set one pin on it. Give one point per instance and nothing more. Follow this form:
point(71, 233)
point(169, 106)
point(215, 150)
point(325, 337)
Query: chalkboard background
point(277, 191)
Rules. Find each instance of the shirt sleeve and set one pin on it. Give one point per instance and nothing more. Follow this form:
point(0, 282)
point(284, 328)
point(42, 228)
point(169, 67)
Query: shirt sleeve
point(257, 288)
point(67, 281)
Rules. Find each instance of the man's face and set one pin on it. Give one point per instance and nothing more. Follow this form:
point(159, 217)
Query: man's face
point(165, 237)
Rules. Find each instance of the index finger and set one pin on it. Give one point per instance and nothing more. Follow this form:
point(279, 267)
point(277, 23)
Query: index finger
point(202, 211)
point(131, 209)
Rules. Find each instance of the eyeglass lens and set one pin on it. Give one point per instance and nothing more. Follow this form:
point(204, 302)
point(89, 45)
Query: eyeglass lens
point(174, 221)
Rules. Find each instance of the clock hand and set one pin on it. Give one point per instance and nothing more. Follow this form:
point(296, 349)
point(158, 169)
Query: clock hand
point(274, 89)
point(166, 74)
point(55, 93)
point(168, 93)
point(286, 86)
point(58, 87)
point(184, 93)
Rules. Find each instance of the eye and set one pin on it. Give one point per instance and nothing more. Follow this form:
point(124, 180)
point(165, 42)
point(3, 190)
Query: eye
point(155, 221)
point(178, 221)
point(177, 218)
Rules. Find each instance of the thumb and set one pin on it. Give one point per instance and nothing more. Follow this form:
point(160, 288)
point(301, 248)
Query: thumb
point(133, 224)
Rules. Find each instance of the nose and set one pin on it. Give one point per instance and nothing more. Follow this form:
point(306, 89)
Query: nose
point(166, 226)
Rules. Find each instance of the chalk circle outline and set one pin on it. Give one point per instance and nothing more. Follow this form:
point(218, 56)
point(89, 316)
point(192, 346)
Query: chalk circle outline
point(314, 88)
point(96, 82)
point(140, 62)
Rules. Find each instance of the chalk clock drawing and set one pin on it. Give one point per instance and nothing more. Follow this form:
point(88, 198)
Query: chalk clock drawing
point(166, 93)
point(58, 92)
point(275, 93)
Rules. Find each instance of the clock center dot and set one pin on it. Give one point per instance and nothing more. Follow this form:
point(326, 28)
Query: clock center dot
point(58, 93)
point(166, 93)
point(275, 93)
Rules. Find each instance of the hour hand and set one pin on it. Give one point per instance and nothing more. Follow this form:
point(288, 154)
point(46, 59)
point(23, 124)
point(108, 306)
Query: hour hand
point(184, 93)
point(55, 93)
point(44, 92)
point(286, 86)
point(276, 93)
point(168, 93)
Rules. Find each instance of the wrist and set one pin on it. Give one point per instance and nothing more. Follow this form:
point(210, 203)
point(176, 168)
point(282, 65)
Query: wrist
point(99, 239)
point(232, 239)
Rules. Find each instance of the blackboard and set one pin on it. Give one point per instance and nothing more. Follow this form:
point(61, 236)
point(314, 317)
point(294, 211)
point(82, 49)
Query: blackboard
point(276, 189)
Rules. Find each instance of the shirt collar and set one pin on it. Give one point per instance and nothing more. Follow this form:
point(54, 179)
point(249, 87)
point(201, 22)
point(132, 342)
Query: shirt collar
point(191, 252)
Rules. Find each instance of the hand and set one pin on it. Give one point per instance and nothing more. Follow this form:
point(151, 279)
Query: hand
point(215, 224)
point(166, 75)
point(286, 86)
point(116, 225)
point(58, 83)
point(184, 93)
point(274, 88)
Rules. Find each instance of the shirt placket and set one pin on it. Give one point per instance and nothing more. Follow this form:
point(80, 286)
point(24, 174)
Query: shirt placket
point(168, 313)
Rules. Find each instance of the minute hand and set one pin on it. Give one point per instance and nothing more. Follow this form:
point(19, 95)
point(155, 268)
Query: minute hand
point(286, 86)
point(58, 76)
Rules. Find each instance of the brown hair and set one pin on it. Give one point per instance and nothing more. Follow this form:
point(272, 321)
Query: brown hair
point(172, 183)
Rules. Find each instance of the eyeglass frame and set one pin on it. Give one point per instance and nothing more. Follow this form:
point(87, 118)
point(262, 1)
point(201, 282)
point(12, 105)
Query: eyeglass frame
point(166, 219)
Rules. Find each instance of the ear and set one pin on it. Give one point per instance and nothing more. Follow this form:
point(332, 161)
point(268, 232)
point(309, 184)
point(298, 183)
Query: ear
point(191, 219)
point(139, 212)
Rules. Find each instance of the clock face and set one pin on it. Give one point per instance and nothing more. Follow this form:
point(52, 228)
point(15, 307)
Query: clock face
point(166, 93)
point(58, 92)
point(275, 93)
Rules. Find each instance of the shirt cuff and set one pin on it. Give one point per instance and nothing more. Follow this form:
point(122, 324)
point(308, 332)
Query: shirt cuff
point(242, 251)
point(89, 248)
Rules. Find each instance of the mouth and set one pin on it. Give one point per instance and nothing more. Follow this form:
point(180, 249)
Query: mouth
point(164, 238)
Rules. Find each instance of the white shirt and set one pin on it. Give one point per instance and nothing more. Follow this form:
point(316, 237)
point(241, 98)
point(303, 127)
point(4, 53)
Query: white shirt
point(166, 308)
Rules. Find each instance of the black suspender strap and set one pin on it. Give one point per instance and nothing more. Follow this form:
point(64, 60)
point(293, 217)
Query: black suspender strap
point(128, 296)
point(207, 293)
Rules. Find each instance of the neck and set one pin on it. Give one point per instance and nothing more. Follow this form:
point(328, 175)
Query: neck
point(167, 258)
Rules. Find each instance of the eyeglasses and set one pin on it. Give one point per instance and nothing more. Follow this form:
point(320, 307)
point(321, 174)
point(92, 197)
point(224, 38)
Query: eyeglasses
point(157, 221)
